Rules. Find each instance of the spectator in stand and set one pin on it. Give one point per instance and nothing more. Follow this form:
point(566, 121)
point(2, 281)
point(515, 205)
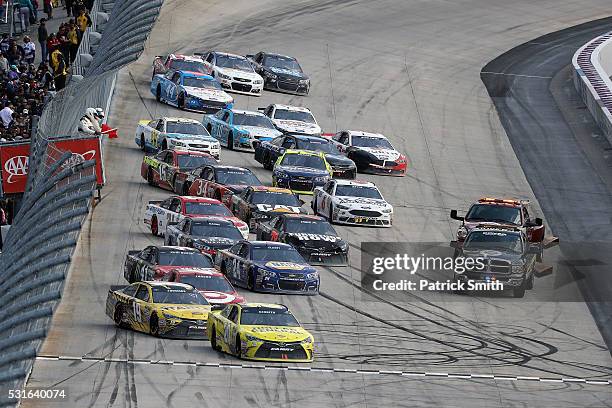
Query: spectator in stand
point(6, 115)
point(29, 50)
point(48, 8)
point(43, 36)
point(64, 47)
point(4, 44)
point(4, 64)
point(34, 12)
point(26, 9)
point(58, 64)
point(73, 38)
point(15, 53)
point(83, 20)
point(52, 44)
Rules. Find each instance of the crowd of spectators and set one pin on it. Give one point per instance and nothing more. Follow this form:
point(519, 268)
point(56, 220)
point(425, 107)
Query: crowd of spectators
point(26, 85)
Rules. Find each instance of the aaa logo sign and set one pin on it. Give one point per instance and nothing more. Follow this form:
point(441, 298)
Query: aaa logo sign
point(16, 166)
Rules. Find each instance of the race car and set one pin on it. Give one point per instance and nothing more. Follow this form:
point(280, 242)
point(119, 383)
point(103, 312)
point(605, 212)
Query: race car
point(354, 202)
point(154, 262)
point(162, 169)
point(190, 91)
point(234, 73)
point(501, 212)
point(212, 284)
point(178, 62)
point(258, 203)
point(259, 331)
point(371, 152)
point(240, 129)
point(165, 309)
point(301, 171)
point(292, 119)
point(160, 214)
point(267, 153)
point(280, 73)
point(500, 254)
point(207, 235)
point(314, 238)
point(216, 181)
point(167, 133)
point(264, 266)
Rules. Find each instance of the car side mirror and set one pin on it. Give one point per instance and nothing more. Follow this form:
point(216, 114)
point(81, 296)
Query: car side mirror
point(454, 216)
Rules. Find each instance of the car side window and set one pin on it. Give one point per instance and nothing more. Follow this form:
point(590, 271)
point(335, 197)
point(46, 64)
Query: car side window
point(131, 290)
point(236, 249)
point(225, 117)
point(344, 139)
point(143, 293)
point(244, 252)
point(259, 58)
point(166, 203)
point(161, 156)
point(169, 158)
point(278, 223)
point(187, 226)
point(176, 78)
point(176, 205)
point(268, 111)
point(278, 141)
point(233, 315)
point(226, 311)
point(210, 58)
point(288, 143)
point(329, 188)
point(525, 214)
point(246, 194)
point(160, 126)
point(153, 256)
point(206, 173)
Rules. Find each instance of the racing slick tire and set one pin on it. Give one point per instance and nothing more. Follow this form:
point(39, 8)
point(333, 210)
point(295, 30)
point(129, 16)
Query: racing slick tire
point(213, 339)
point(181, 101)
point(251, 282)
point(267, 163)
point(142, 143)
point(158, 93)
point(330, 218)
point(238, 347)
point(230, 141)
point(519, 291)
point(165, 145)
point(118, 317)
point(223, 268)
point(150, 177)
point(218, 195)
point(154, 226)
point(209, 128)
point(154, 325)
point(529, 283)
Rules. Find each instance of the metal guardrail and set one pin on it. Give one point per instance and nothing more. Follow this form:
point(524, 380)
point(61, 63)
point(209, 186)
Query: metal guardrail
point(593, 83)
point(59, 192)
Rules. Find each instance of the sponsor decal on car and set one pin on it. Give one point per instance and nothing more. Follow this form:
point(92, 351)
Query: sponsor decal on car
point(285, 265)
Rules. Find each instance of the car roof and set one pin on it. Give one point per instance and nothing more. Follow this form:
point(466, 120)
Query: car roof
point(265, 244)
point(301, 216)
point(510, 202)
point(207, 220)
point(195, 58)
point(196, 199)
point(362, 183)
point(168, 284)
point(194, 74)
point(290, 107)
point(248, 112)
point(197, 271)
point(266, 305)
point(168, 248)
point(305, 152)
point(181, 152)
point(273, 189)
point(368, 134)
point(228, 54)
point(179, 120)
point(309, 137)
point(272, 54)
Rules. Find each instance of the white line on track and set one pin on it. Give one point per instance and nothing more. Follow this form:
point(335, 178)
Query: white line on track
point(454, 376)
point(516, 75)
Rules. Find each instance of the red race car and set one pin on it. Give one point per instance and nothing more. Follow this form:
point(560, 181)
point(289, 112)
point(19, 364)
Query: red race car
point(213, 285)
point(500, 212)
point(216, 181)
point(178, 62)
point(160, 214)
point(163, 168)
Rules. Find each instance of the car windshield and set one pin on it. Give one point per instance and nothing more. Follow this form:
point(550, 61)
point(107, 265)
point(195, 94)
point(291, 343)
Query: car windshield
point(179, 258)
point(186, 161)
point(198, 82)
point(275, 198)
point(207, 209)
point(234, 62)
point(368, 141)
point(237, 178)
point(494, 240)
point(277, 254)
point(246, 119)
point(208, 282)
point(320, 227)
point(318, 145)
point(300, 116)
point(177, 296)
point(213, 229)
point(303, 160)
point(267, 316)
point(186, 128)
point(192, 66)
point(279, 61)
point(494, 213)
point(358, 191)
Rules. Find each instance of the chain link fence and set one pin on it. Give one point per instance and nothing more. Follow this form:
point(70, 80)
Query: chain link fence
point(60, 189)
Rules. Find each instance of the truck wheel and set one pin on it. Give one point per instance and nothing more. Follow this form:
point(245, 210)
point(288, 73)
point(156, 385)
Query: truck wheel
point(519, 292)
point(158, 93)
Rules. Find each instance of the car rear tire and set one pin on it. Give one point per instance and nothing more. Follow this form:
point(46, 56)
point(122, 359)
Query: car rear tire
point(150, 177)
point(251, 282)
point(154, 325)
point(181, 101)
point(230, 141)
point(154, 226)
point(158, 93)
point(267, 163)
point(165, 145)
point(238, 347)
point(213, 338)
point(143, 147)
point(330, 217)
point(118, 317)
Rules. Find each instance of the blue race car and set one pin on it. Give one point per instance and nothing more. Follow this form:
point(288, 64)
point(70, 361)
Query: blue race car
point(264, 266)
point(190, 91)
point(301, 171)
point(240, 129)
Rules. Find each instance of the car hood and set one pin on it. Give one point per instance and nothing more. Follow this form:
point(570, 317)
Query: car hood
point(338, 160)
point(188, 137)
point(290, 267)
point(238, 73)
point(215, 297)
point(472, 224)
point(297, 126)
point(491, 253)
point(208, 94)
point(216, 242)
point(361, 201)
point(301, 171)
point(259, 131)
point(277, 333)
point(381, 154)
point(198, 312)
point(287, 72)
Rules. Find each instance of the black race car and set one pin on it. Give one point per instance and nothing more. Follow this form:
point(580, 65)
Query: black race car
point(154, 262)
point(280, 73)
point(207, 234)
point(259, 203)
point(313, 236)
point(266, 153)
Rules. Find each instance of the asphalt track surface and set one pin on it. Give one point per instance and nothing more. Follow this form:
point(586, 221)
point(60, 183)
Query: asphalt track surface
point(411, 70)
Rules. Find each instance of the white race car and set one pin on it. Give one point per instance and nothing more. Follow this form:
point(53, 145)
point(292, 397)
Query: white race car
point(293, 119)
point(168, 133)
point(235, 73)
point(354, 202)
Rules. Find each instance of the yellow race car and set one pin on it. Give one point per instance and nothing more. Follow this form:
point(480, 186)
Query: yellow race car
point(260, 331)
point(167, 309)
